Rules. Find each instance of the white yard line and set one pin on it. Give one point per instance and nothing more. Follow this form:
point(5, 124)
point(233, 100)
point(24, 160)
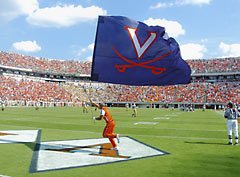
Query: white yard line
point(52, 129)
point(183, 129)
point(179, 137)
point(146, 123)
point(174, 137)
point(220, 112)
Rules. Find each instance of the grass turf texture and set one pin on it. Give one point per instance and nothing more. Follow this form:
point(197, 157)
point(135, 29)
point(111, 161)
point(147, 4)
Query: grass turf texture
point(196, 142)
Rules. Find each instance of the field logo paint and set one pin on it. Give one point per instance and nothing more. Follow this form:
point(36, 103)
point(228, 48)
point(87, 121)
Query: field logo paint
point(60, 155)
point(17, 136)
point(4, 134)
point(105, 150)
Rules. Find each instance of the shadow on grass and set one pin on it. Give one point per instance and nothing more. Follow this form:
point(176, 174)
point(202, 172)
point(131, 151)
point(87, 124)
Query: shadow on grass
point(31, 145)
point(205, 143)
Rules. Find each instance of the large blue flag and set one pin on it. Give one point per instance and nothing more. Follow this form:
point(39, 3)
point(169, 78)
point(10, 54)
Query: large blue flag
point(132, 53)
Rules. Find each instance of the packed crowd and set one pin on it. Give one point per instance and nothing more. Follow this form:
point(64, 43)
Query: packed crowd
point(191, 93)
point(23, 89)
point(215, 65)
point(35, 90)
point(43, 64)
point(79, 67)
point(223, 92)
point(13, 89)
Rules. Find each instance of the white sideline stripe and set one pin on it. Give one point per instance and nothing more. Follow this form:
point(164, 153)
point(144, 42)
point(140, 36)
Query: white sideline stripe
point(183, 129)
point(220, 112)
point(146, 123)
point(161, 118)
point(174, 137)
point(196, 130)
point(179, 137)
point(51, 129)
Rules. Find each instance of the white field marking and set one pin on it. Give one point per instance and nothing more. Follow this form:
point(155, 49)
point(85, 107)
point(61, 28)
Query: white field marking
point(146, 123)
point(143, 128)
point(161, 118)
point(50, 156)
point(61, 123)
point(4, 176)
point(220, 112)
point(183, 129)
point(18, 136)
point(178, 112)
point(177, 137)
point(170, 115)
point(51, 129)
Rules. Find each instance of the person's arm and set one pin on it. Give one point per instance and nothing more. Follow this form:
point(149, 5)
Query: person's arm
point(99, 118)
point(226, 114)
point(102, 113)
point(95, 104)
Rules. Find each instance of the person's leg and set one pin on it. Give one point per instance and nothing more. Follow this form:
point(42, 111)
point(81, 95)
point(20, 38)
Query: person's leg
point(229, 126)
point(108, 133)
point(235, 129)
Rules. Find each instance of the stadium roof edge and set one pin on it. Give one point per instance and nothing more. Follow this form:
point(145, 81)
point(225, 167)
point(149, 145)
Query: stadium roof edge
point(215, 74)
point(15, 68)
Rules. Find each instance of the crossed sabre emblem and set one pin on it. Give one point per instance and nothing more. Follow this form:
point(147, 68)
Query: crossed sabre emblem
point(140, 50)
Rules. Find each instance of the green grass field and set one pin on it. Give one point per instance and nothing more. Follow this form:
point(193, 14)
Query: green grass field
point(196, 141)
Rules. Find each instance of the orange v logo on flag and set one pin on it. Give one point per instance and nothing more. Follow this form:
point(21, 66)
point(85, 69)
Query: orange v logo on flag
point(141, 48)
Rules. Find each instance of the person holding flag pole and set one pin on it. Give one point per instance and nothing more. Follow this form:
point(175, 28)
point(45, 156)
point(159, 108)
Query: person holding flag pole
point(110, 124)
point(130, 52)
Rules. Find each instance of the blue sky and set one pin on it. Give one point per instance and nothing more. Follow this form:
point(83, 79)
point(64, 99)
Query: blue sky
point(65, 29)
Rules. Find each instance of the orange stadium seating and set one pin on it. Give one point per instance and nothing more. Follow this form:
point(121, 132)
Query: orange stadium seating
point(29, 89)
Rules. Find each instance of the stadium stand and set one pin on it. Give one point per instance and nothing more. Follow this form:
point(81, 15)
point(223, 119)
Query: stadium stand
point(220, 65)
point(25, 79)
point(223, 92)
point(44, 64)
point(191, 93)
point(77, 67)
point(21, 91)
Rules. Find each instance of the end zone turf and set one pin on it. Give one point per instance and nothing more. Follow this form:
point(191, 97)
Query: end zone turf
point(197, 143)
point(59, 155)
